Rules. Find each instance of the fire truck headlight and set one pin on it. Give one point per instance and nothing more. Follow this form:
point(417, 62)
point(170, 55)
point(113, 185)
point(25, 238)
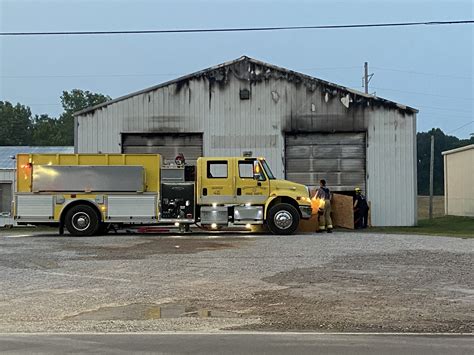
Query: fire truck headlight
point(303, 198)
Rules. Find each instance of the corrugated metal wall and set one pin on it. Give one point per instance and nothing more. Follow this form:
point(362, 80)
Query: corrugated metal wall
point(391, 168)
point(166, 144)
point(7, 175)
point(458, 178)
point(229, 125)
point(277, 106)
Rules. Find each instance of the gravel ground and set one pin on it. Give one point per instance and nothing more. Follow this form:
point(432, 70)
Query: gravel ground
point(339, 282)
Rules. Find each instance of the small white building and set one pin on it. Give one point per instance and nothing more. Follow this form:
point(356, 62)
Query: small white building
point(7, 175)
point(459, 181)
point(307, 128)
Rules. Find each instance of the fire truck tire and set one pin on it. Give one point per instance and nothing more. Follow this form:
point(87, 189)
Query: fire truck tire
point(82, 220)
point(283, 218)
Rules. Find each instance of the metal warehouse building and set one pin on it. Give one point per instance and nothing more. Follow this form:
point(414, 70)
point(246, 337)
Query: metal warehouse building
point(307, 129)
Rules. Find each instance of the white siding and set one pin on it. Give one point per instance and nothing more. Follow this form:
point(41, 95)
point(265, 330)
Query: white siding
point(391, 168)
point(458, 181)
point(7, 174)
point(229, 125)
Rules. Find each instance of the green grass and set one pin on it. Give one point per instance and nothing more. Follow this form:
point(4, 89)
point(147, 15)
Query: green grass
point(450, 226)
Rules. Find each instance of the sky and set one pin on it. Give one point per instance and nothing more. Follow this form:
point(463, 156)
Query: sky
point(429, 68)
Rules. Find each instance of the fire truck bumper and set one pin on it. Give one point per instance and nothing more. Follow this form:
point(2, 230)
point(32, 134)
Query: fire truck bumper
point(306, 212)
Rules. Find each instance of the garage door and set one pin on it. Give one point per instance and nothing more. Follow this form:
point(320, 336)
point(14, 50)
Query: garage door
point(5, 197)
point(169, 145)
point(339, 158)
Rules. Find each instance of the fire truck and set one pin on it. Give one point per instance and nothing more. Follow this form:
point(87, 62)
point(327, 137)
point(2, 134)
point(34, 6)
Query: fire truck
point(89, 194)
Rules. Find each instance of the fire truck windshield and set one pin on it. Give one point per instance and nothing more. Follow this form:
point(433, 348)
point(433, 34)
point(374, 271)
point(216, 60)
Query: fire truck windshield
point(267, 170)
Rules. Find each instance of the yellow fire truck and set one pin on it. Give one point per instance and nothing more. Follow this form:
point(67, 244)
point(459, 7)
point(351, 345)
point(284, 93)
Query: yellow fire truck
point(90, 193)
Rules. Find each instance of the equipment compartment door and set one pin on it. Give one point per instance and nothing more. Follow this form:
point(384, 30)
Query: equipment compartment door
point(247, 189)
point(131, 206)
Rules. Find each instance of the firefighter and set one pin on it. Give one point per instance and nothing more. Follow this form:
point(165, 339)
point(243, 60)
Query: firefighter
point(324, 212)
point(361, 209)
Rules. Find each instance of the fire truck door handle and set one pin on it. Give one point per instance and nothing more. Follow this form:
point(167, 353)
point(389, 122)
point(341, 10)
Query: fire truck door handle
point(204, 191)
point(239, 191)
point(259, 183)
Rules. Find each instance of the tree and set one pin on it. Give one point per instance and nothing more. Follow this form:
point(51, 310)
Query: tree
point(74, 101)
point(18, 127)
point(443, 142)
point(46, 131)
point(15, 124)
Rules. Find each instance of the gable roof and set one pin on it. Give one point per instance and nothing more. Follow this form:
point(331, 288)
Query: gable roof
point(285, 73)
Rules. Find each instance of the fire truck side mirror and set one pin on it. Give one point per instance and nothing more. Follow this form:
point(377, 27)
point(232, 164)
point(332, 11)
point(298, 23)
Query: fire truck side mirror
point(256, 170)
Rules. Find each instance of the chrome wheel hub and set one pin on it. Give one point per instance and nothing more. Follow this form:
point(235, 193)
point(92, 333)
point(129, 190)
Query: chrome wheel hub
point(283, 219)
point(81, 221)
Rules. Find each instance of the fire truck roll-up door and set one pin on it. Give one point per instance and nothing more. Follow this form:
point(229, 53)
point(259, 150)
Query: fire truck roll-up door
point(339, 158)
point(169, 145)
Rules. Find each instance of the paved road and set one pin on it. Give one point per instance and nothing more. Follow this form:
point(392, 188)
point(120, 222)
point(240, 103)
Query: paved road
point(238, 343)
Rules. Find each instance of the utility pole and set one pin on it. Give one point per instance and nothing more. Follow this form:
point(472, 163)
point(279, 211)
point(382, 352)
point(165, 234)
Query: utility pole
point(431, 176)
point(367, 77)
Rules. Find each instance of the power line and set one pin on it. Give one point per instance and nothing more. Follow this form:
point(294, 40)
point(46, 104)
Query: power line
point(457, 129)
point(426, 115)
point(444, 109)
point(426, 94)
point(423, 73)
point(240, 29)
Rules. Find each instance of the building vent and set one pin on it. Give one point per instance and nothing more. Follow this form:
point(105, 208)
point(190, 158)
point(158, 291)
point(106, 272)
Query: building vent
point(245, 94)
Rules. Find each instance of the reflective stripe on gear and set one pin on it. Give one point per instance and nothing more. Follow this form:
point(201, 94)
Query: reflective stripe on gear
point(321, 228)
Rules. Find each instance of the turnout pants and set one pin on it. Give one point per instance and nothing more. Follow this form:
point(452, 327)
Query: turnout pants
point(325, 221)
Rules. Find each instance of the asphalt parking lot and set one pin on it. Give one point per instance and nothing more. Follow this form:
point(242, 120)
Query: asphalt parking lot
point(349, 282)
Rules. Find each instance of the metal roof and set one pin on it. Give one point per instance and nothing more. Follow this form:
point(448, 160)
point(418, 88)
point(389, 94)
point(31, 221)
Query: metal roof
point(8, 152)
point(356, 93)
point(461, 149)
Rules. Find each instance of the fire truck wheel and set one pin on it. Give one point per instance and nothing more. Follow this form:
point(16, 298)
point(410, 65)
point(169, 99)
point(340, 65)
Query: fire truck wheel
point(82, 220)
point(283, 219)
